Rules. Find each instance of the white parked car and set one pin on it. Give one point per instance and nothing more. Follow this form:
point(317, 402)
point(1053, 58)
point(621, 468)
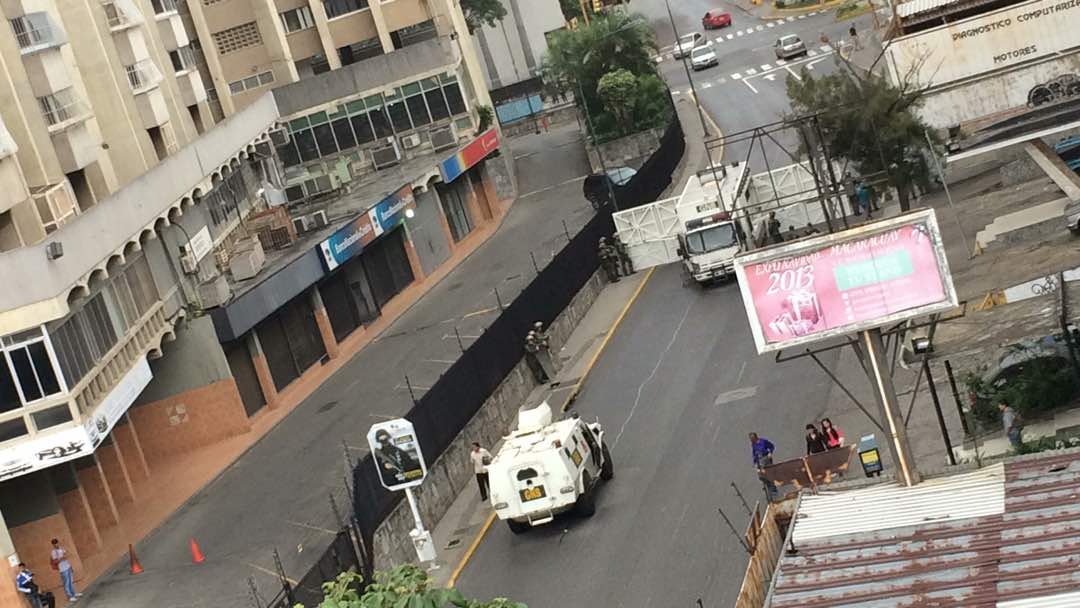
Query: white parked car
point(545, 468)
point(686, 44)
point(704, 56)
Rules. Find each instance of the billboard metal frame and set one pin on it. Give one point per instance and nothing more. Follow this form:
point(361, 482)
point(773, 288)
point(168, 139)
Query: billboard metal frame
point(810, 245)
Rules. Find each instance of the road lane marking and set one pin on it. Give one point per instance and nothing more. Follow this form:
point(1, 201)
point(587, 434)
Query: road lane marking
point(733, 395)
point(272, 573)
point(607, 338)
point(825, 48)
point(742, 368)
point(781, 61)
point(652, 374)
point(770, 24)
point(765, 67)
point(751, 71)
point(730, 36)
point(792, 72)
point(311, 527)
point(760, 28)
point(706, 85)
point(811, 53)
point(790, 18)
point(802, 16)
point(736, 76)
point(770, 77)
point(739, 33)
point(747, 83)
point(469, 552)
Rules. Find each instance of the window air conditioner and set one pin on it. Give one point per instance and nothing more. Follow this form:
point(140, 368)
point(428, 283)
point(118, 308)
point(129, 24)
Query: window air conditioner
point(301, 224)
point(188, 264)
point(443, 138)
point(410, 141)
point(318, 219)
point(386, 156)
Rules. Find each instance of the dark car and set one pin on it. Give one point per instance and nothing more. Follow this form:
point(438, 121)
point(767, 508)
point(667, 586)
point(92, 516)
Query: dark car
point(596, 190)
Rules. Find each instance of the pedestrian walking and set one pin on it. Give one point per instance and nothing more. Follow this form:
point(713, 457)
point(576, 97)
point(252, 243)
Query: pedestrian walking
point(849, 191)
point(624, 257)
point(833, 437)
point(543, 350)
point(854, 37)
point(1010, 422)
point(609, 260)
point(532, 348)
point(59, 561)
point(481, 458)
point(773, 228)
point(862, 193)
point(761, 452)
point(815, 441)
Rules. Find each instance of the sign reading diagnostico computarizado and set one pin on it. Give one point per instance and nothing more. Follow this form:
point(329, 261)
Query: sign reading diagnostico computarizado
point(988, 42)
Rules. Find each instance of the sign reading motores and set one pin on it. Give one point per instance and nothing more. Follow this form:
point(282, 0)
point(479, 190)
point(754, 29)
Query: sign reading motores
point(987, 42)
point(397, 454)
point(845, 282)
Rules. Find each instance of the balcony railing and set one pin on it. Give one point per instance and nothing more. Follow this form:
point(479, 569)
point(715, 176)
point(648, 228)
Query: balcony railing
point(121, 14)
point(163, 7)
point(61, 107)
point(35, 31)
point(142, 75)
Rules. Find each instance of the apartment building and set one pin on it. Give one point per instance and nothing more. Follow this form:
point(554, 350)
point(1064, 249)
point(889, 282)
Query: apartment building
point(187, 258)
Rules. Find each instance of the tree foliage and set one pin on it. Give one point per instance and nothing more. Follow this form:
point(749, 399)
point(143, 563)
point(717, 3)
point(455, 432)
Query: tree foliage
point(479, 13)
point(870, 121)
point(613, 42)
point(403, 587)
point(571, 9)
point(617, 91)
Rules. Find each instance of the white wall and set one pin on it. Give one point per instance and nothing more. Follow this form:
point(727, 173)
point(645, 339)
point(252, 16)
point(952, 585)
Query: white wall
point(506, 59)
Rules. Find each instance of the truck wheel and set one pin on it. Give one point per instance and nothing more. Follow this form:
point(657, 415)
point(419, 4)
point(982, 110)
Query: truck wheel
point(516, 527)
point(607, 472)
point(586, 503)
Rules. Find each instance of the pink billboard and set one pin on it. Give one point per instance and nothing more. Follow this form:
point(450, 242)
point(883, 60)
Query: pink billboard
point(845, 282)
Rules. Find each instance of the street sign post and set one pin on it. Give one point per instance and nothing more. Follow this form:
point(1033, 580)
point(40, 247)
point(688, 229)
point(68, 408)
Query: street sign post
point(397, 457)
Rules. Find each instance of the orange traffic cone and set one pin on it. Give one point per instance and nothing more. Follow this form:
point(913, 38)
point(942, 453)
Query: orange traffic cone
point(196, 553)
point(136, 567)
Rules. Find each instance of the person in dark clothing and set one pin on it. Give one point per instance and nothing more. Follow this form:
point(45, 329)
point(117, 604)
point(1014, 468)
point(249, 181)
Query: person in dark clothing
point(761, 452)
point(395, 464)
point(815, 441)
point(773, 229)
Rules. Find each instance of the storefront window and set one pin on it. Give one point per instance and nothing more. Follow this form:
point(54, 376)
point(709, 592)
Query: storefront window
point(29, 365)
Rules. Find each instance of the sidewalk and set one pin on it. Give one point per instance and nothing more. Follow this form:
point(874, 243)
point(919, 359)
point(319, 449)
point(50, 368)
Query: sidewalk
point(767, 10)
point(460, 531)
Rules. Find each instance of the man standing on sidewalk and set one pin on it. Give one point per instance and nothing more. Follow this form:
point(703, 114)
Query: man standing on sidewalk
point(761, 451)
point(59, 561)
point(481, 458)
point(1010, 421)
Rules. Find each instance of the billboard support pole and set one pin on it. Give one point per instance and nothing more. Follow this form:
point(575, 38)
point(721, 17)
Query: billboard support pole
point(885, 393)
point(425, 546)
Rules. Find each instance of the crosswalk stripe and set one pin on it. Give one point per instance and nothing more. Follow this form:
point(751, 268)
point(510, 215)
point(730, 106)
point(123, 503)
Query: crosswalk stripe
point(811, 14)
point(751, 71)
point(706, 85)
point(811, 53)
point(766, 67)
point(721, 80)
point(760, 28)
point(790, 18)
point(802, 16)
point(770, 24)
point(738, 33)
point(736, 76)
point(730, 36)
point(781, 61)
point(826, 48)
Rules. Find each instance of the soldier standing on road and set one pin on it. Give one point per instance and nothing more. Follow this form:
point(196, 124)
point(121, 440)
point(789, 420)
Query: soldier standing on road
point(532, 347)
point(543, 353)
point(609, 260)
point(624, 257)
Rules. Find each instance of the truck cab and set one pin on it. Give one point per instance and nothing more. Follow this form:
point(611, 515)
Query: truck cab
point(708, 246)
point(545, 468)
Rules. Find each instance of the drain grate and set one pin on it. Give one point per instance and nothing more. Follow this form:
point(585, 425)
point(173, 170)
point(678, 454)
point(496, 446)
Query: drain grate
point(326, 407)
point(453, 543)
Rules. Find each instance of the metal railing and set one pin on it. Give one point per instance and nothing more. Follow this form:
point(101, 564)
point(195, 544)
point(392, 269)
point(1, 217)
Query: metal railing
point(61, 106)
point(34, 31)
point(142, 75)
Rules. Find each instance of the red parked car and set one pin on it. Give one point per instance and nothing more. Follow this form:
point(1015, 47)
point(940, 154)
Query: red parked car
point(716, 19)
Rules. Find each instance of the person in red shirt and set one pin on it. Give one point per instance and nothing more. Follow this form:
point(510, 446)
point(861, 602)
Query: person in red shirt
point(833, 437)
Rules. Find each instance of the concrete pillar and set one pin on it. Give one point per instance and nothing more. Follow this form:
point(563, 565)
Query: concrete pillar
point(127, 436)
point(381, 27)
point(116, 474)
point(318, 12)
point(262, 370)
point(414, 258)
point(8, 595)
point(326, 330)
point(84, 530)
point(98, 495)
point(1051, 163)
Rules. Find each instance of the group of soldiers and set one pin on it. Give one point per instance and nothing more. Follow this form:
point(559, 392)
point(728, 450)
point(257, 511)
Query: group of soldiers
point(615, 259)
point(538, 353)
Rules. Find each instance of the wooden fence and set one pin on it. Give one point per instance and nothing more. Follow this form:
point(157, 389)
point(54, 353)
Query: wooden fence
point(766, 540)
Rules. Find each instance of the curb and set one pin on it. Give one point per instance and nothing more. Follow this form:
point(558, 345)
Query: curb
point(715, 127)
point(779, 14)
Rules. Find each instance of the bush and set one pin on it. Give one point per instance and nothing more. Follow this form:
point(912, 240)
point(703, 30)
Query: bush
point(1043, 385)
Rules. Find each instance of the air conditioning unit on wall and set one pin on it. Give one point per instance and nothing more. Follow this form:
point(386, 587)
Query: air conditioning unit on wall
point(443, 138)
point(279, 137)
point(386, 156)
point(410, 141)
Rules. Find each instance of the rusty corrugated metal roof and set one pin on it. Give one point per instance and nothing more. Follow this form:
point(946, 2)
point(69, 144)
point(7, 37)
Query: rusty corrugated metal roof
point(1030, 549)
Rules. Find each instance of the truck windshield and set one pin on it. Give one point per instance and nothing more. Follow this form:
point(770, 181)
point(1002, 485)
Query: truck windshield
point(710, 239)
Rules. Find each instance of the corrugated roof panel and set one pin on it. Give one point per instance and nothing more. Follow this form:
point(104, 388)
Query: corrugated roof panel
point(1003, 537)
point(962, 496)
point(1063, 600)
point(914, 7)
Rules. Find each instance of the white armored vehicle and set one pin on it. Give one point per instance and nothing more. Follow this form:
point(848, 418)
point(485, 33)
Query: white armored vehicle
point(545, 468)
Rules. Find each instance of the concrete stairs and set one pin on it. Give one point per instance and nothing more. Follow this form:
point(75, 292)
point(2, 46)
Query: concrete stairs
point(1028, 224)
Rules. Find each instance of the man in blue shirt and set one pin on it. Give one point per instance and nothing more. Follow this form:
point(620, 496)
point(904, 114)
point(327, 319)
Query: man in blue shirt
point(24, 583)
point(761, 450)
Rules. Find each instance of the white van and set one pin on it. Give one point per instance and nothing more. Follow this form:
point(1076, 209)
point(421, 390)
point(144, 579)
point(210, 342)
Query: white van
point(545, 468)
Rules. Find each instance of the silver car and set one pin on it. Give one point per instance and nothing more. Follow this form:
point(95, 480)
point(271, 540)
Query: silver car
point(789, 46)
point(685, 44)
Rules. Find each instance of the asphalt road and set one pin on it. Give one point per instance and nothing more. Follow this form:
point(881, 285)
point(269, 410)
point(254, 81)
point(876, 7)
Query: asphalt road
point(748, 88)
point(276, 495)
point(678, 388)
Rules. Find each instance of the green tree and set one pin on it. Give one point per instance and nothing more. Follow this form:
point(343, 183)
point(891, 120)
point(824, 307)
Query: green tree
point(403, 587)
point(618, 92)
point(571, 9)
point(870, 121)
point(578, 59)
point(482, 12)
